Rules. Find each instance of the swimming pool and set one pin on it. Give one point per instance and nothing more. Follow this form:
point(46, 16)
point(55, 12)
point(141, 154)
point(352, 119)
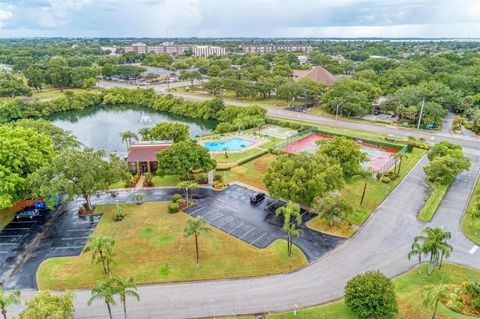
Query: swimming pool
point(233, 144)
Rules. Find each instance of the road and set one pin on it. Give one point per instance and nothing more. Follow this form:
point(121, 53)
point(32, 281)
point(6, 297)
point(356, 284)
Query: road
point(381, 244)
point(277, 112)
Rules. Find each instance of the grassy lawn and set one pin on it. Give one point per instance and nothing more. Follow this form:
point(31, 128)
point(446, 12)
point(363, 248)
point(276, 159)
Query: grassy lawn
point(150, 246)
point(471, 228)
point(252, 172)
point(233, 157)
point(169, 180)
point(432, 203)
point(375, 194)
point(409, 289)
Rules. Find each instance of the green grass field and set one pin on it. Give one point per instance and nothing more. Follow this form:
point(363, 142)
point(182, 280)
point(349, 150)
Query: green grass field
point(471, 227)
point(150, 246)
point(433, 201)
point(409, 290)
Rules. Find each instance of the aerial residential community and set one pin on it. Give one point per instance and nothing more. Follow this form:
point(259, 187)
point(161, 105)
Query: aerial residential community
point(196, 159)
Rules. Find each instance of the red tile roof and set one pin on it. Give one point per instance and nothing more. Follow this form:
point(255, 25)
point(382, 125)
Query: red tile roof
point(316, 73)
point(145, 153)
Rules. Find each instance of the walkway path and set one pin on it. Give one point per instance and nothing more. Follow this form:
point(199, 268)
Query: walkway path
point(382, 244)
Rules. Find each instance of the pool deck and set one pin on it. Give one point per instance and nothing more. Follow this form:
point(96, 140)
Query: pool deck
point(256, 142)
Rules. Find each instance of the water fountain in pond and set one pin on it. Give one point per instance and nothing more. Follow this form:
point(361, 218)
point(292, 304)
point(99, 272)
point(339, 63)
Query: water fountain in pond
point(145, 119)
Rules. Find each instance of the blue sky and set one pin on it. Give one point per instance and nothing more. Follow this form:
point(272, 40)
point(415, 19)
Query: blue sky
point(240, 18)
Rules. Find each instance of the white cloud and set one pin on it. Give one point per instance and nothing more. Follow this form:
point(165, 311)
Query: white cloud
point(59, 12)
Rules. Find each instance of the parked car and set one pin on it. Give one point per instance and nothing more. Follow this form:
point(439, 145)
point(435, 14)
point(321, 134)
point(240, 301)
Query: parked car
point(257, 198)
point(28, 213)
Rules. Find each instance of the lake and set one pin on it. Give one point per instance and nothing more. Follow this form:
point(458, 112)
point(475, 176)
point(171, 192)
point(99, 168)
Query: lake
point(99, 127)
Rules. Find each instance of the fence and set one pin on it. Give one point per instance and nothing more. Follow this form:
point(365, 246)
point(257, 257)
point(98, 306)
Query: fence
point(295, 138)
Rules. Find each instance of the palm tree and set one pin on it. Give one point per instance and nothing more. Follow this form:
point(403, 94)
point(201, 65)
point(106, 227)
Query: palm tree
point(418, 250)
point(104, 290)
point(125, 288)
point(189, 186)
point(5, 301)
point(432, 294)
point(101, 248)
point(399, 157)
point(195, 227)
point(288, 212)
point(127, 137)
point(435, 242)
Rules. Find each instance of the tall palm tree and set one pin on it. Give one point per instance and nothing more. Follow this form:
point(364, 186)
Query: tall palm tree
point(432, 294)
point(124, 289)
point(101, 248)
point(418, 250)
point(105, 290)
point(5, 301)
point(127, 137)
point(195, 227)
point(435, 242)
point(292, 219)
point(399, 157)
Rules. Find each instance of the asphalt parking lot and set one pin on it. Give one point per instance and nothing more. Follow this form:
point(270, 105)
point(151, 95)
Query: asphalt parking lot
point(231, 212)
point(25, 244)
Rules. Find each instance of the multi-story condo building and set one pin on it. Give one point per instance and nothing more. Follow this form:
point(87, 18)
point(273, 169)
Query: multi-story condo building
point(261, 49)
point(206, 50)
point(175, 49)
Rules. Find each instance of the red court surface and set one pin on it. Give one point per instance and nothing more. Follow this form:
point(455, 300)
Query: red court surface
point(378, 156)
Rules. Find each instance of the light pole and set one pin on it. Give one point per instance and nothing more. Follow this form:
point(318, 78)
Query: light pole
point(421, 113)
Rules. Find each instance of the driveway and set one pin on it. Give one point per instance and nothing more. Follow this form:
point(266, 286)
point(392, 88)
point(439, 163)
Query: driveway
point(231, 212)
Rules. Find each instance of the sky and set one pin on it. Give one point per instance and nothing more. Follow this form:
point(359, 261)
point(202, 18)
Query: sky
point(240, 18)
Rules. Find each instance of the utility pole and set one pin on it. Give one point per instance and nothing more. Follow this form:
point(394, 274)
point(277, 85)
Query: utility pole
point(336, 112)
point(421, 113)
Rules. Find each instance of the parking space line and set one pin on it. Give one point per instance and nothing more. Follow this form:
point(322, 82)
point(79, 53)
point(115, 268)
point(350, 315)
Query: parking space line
point(8, 236)
point(5, 244)
point(236, 228)
point(240, 195)
point(196, 210)
point(216, 219)
point(253, 242)
point(68, 247)
point(473, 250)
point(86, 229)
point(73, 238)
point(4, 252)
point(15, 228)
point(248, 232)
point(23, 222)
point(208, 213)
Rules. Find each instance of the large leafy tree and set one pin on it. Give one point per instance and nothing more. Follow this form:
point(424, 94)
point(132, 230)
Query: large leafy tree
point(22, 152)
point(371, 296)
point(331, 207)
point(61, 139)
point(346, 152)
point(446, 162)
point(58, 72)
point(79, 173)
point(47, 305)
point(195, 227)
point(184, 157)
point(291, 220)
point(303, 177)
point(169, 131)
point(11, 87)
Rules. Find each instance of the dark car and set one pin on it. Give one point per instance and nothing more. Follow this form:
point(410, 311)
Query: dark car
point(28, 213)
point(257, 198)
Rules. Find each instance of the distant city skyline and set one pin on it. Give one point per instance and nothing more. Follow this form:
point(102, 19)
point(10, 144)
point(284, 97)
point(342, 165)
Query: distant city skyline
point(242, 18)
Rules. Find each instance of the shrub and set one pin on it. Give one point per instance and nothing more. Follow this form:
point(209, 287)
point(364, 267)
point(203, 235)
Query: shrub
point(217, 178)
point(379, 175)
point(217, 185)
point(173, 208)
point(386, 180)
point(119, 214)
point(148, 181)
point(371, 295)
point(182, 203)
point(176, 197)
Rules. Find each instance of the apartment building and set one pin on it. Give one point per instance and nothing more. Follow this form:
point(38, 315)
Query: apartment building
point(175, 49)
point(206, 50)
point(261, 49)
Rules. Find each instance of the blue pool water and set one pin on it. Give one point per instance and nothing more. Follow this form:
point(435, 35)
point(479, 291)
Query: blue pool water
point(233, 144)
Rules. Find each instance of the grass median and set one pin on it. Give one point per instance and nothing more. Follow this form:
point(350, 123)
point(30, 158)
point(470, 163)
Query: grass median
point(150, 246)
point(433, 201)
point(471, 224)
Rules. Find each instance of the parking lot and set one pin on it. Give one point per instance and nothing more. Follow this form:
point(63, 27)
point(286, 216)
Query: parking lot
point(231, 212)
point(25, 244)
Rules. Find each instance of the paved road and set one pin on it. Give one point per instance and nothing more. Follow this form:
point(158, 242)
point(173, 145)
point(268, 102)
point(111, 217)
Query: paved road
point(382, 244)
